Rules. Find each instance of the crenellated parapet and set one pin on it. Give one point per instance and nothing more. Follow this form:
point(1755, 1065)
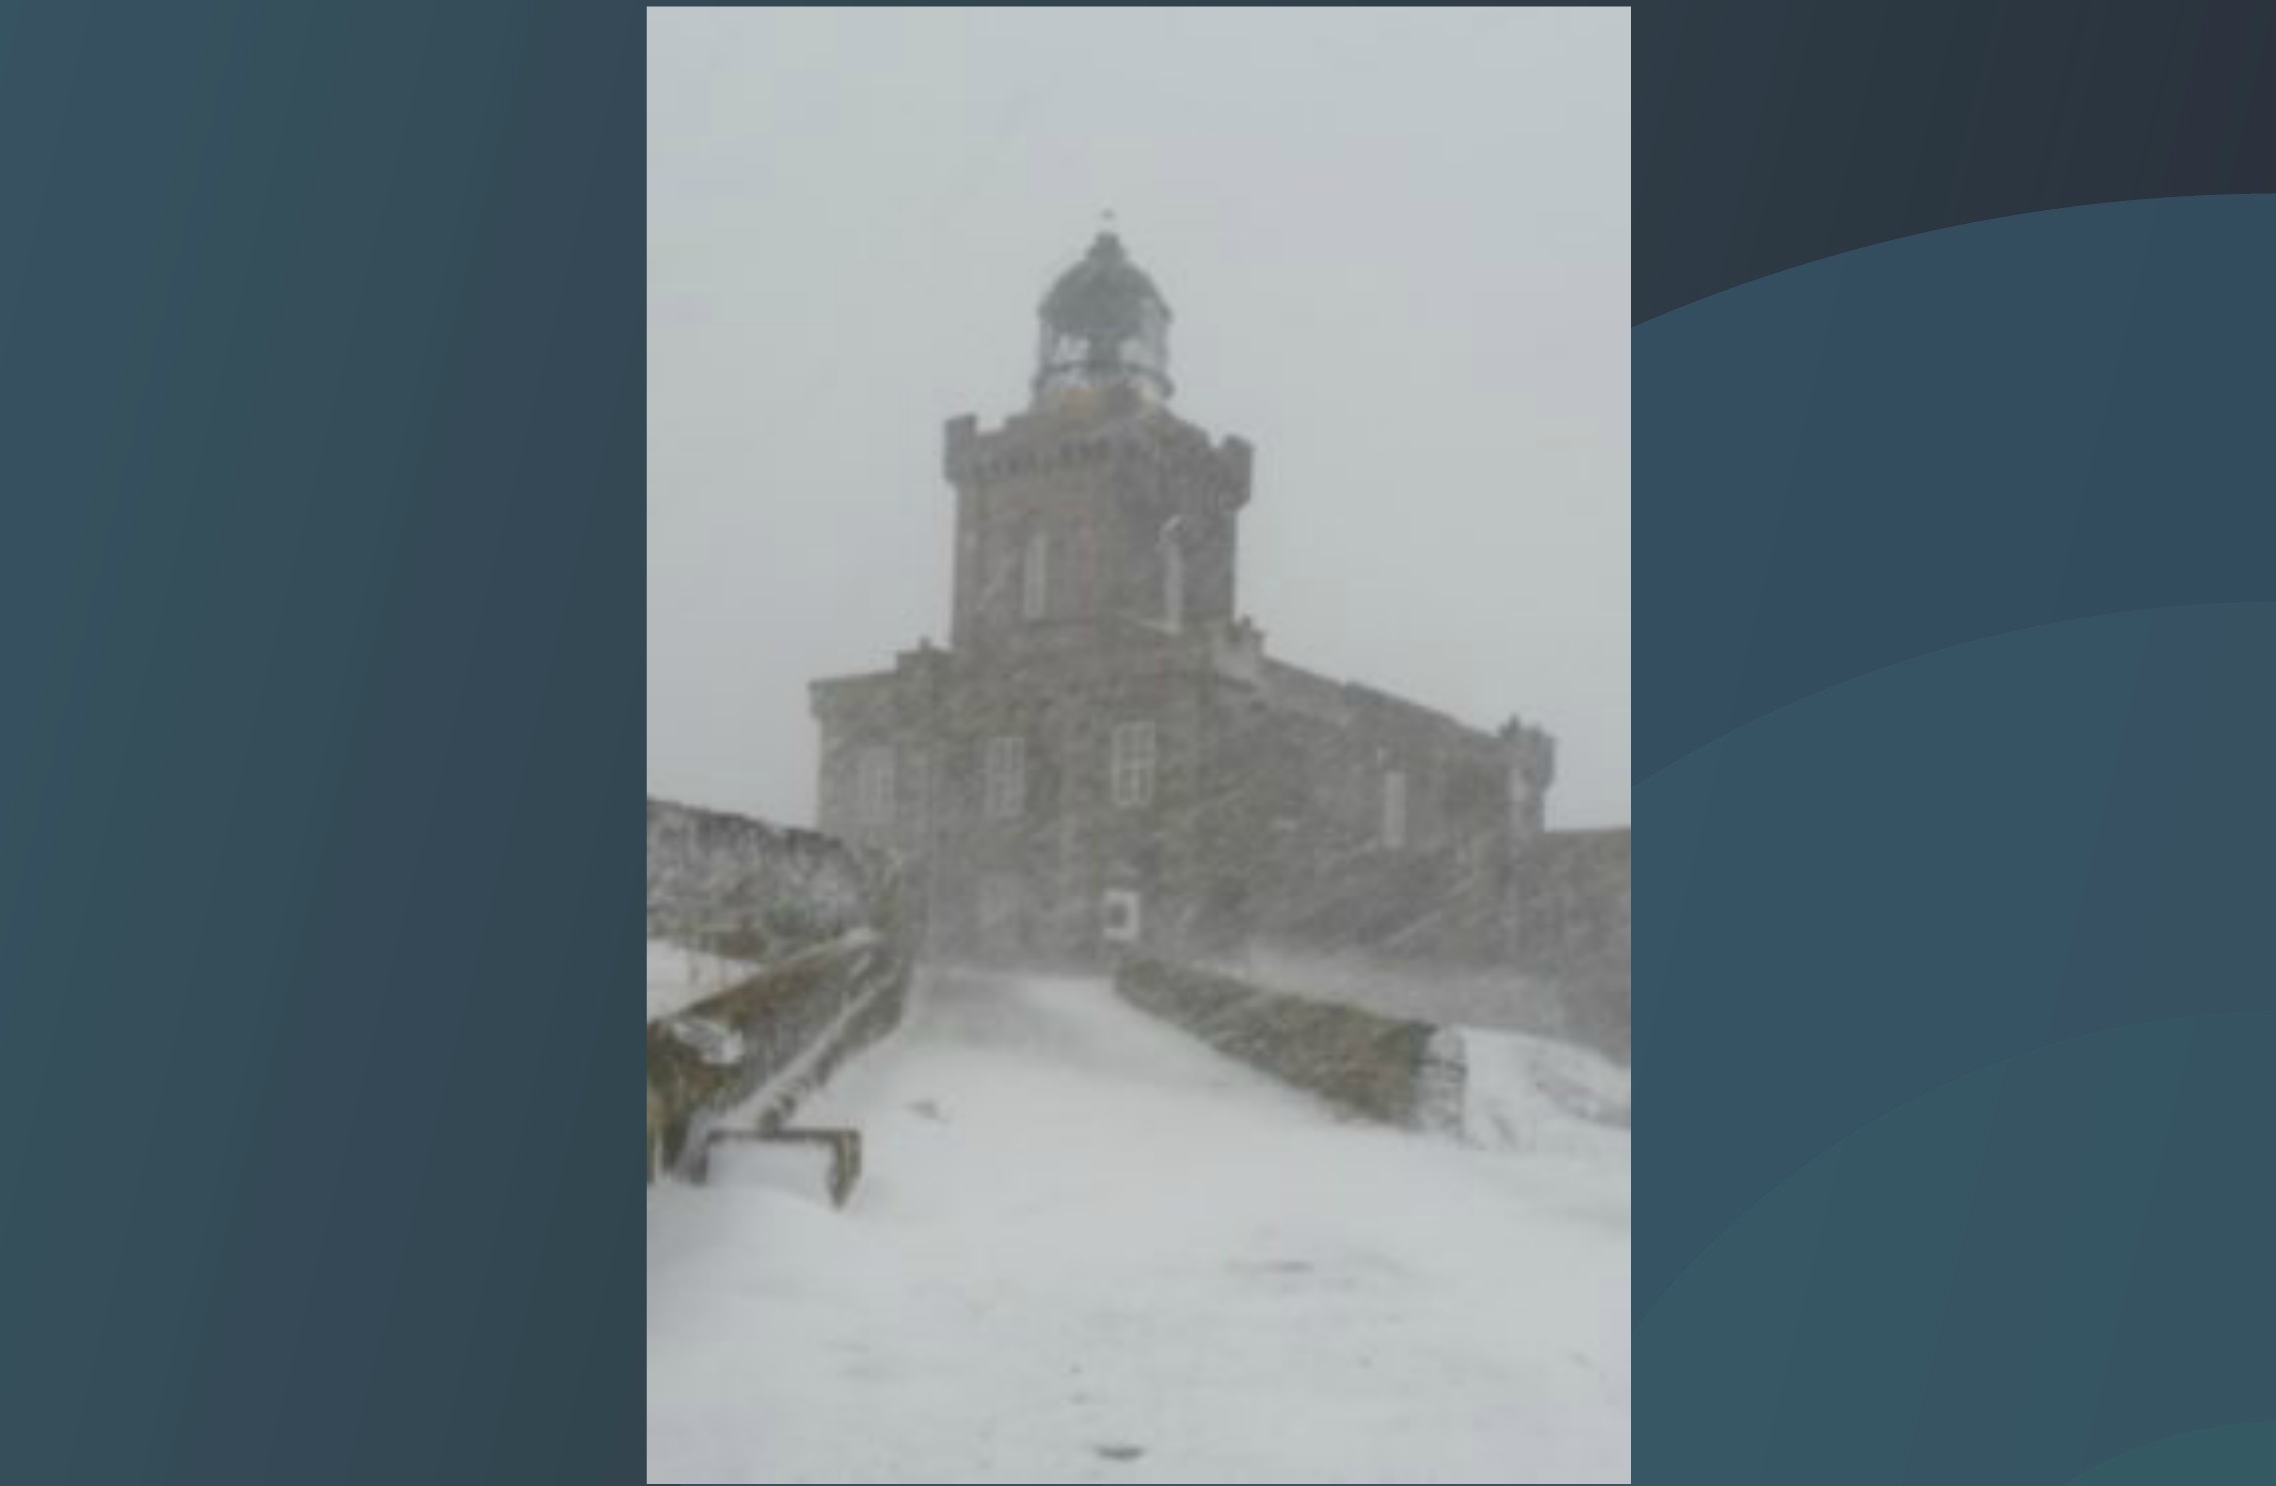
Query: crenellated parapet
point(1150, 454)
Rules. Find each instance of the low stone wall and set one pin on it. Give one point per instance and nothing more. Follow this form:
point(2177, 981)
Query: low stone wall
point(765, 1044)
point(1374, 1067)
point(748, 890)
point(831, 937)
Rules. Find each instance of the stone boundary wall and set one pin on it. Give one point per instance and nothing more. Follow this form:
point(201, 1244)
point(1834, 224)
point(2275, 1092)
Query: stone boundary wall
point(759, 1048)
point(832, 940)
point(742, 888)
point(1387, 1069)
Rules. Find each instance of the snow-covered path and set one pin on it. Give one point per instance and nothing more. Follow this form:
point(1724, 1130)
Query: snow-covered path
point(1089, 1249)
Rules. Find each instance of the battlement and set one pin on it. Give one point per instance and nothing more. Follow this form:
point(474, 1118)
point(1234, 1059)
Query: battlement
point(1150, 449)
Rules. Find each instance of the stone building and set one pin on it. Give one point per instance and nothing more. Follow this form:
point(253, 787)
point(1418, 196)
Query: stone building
point(1105, 755)
point(1575, 899)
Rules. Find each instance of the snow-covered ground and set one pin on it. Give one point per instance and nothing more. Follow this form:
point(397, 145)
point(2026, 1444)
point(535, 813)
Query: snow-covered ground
point(1087, 1248)
point(1533, 1094)
point(678, 978)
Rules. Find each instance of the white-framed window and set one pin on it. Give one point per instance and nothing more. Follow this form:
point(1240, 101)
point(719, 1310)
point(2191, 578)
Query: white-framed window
point(1035, 577)
point(1394, 808)
point(873, 785)
point(1004, 770)
point(1130, 764)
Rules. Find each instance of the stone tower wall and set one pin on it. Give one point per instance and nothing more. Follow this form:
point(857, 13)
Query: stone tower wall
point(1100, 482)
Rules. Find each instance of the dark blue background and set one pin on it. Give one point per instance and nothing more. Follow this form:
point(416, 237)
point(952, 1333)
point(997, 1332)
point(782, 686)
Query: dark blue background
point(1955, 576)
point(321, 357)
point(321, 347)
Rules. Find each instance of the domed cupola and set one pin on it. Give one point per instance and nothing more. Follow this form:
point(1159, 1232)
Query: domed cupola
point(1104, 325)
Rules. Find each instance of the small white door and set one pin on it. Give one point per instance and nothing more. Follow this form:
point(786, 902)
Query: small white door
point(1119, 916)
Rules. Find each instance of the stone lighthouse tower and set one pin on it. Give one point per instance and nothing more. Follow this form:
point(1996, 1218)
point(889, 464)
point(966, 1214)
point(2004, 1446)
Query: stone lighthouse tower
point(1097, 509)
point(1105, 758)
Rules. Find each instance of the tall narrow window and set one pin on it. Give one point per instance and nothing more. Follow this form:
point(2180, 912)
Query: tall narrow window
point(1173, 583)
point(1035, 579)
point(1130, 764)
point(1394, 809)
point(920, 787)
point(1173, 576)
point(873, 799)
point(1006, 783)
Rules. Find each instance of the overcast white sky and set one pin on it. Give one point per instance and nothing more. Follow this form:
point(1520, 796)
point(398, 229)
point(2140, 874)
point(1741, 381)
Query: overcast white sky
point(1396, 247)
